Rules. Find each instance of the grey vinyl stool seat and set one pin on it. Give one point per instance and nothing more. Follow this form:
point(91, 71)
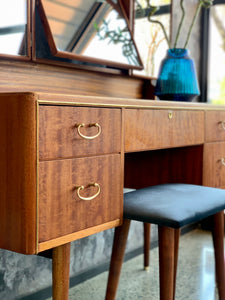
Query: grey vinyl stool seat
point(170, 206)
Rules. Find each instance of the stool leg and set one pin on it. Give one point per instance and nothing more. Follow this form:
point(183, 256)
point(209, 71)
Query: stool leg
point(147, 238)
point(118, 251)
point(168, 251)
point(218, 241)
point(61, 272)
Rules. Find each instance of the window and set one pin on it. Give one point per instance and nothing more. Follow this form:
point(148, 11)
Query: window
point(14, 28)
point(149, 37)
point(213, 63)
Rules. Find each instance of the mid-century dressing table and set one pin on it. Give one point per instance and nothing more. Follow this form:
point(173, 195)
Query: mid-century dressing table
point(65, 159)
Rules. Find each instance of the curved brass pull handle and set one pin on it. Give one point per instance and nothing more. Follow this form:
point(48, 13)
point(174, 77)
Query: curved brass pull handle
point(170, 115)
point(81, 187)
point(90, 125)
point(223, 161)
point(223, 124)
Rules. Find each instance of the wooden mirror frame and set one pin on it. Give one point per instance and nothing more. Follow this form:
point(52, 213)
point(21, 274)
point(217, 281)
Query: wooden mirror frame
point(67, 55)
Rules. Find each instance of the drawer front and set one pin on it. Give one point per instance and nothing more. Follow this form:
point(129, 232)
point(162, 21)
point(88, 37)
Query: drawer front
point(61, 137)
point(155, 129)
point(215, 126)
point(61, 208)
point(214, 164)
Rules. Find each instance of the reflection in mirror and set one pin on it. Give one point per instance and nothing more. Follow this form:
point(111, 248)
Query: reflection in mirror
point(13, 27)
point(150, 36)
point(91, 30)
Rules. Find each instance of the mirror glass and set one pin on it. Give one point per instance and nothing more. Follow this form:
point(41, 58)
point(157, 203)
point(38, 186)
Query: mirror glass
point(90, 30)
point(150, 35)
point(13, 27)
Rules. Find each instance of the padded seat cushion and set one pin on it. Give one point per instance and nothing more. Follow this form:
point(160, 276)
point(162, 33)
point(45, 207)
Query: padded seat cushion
point(173, 205)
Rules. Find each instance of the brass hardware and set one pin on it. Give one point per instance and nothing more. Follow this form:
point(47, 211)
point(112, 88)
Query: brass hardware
point(81, 187)
point(170, 115)
point(90, 125)
point(223, 161)
point(222, 124)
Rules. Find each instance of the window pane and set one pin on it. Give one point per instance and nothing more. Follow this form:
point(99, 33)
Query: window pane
point(150, 39)
point(13, 26)
point(216, 71)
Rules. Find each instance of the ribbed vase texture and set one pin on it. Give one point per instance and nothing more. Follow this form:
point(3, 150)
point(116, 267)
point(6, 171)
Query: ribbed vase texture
point(177, 78)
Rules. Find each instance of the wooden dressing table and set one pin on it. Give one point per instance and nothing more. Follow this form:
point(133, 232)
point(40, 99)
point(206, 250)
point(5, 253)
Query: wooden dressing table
point(64, 161)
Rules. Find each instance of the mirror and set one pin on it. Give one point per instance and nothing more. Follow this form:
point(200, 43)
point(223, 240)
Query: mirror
point(13, 27)
point(94, 31)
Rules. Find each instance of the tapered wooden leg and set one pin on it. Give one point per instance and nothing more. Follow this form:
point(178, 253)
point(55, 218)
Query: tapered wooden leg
point(218, 241)
point(61, 272)
point(118, 251)
point(147, 238)
point(176, 251)
point(166, 262)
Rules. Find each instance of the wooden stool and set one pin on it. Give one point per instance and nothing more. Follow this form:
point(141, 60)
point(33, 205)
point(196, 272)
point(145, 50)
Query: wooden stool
point(170, 206)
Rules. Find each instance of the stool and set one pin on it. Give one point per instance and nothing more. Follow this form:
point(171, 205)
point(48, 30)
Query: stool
point(170, 206)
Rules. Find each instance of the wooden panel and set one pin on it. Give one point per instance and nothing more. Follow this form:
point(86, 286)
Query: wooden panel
point(155, 129)
point(214, 127)
point(59, 136)
point(61, 212)
point(214, 170)
point(78, 235)
point(175, 165)
point(20, 76)
point(18, 173)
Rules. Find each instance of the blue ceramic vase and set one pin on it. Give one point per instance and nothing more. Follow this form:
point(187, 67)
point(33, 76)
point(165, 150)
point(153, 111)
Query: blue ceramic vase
point(177, 78)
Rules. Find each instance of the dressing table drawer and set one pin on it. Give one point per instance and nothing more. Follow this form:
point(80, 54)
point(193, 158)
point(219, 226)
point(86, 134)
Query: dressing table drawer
point(214, 164)
point(67, 131)
point(156, 129)
point(64, 208)
point(215, 126)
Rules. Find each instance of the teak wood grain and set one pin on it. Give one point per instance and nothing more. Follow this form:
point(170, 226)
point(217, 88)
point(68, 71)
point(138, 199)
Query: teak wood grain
point(42, 160)
point(59, 138)
point(45, 78)
point(18, 158)
point(61, 272)
point(26, 205)
point(61, 211)
point(214, 170)
point(173, 165)
point(214, 131)
point(156, 129)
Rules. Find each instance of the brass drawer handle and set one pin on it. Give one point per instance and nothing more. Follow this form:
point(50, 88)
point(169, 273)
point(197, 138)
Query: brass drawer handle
point(81, 187)
point(222, 124)
point(170, 115)
point(90, 125)
point(223, 161)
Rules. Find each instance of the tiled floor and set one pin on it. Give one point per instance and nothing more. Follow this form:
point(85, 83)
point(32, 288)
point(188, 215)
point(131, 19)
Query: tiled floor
point(195, 278)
